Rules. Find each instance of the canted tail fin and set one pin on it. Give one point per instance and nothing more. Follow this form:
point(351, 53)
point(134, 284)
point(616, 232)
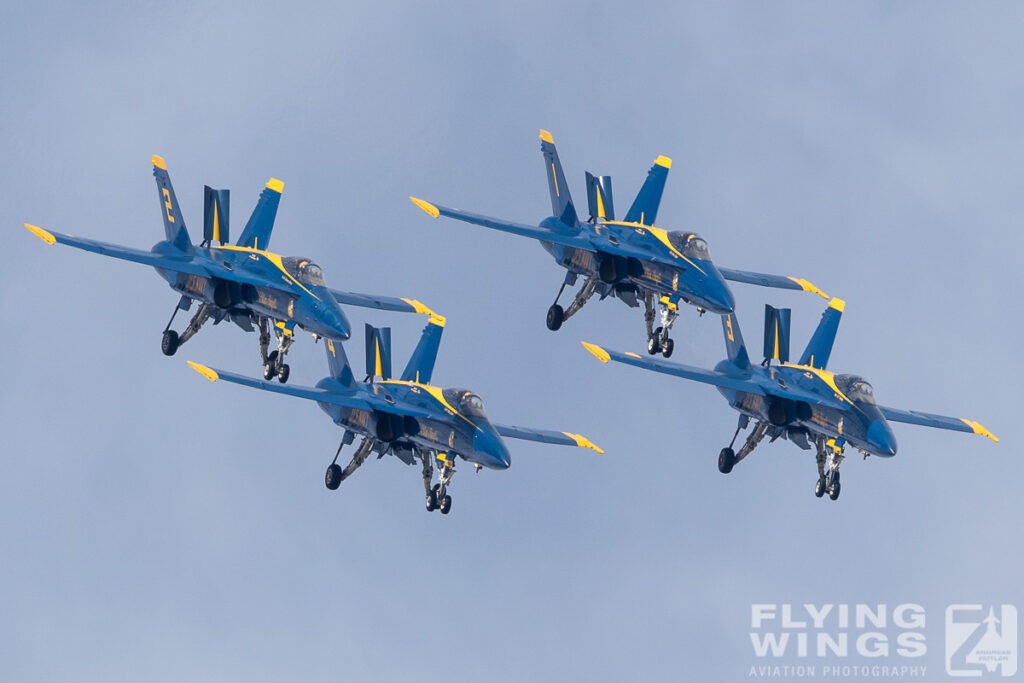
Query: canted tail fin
point(737, 350)
point(337, 362)
point(378, 351)
point(776, 333)
point(645, 207)
point(216, 204)
point(174, 223)
point(820, 347)
point(599, 197)
point(562, 207)
point(421, 363)
point(261, 222)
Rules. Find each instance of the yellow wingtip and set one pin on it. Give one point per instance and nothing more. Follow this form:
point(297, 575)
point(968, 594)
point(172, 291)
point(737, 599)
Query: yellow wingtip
point(276, 185)
point(663, 161)
point(206, 372)
point(41, 234)
point(420, 307)
point(546, 136)
point(426, 206)
point(809, 287)
point(979, 429)
point(159, 162)
point(583, 442)
point(601, 354)
point(837, 304)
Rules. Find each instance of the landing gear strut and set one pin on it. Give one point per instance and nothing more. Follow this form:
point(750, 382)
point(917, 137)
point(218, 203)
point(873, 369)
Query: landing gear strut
point(658, 340)
point(170, 341)
point(829, 457)
point(556, 314)
point(335, 474)
point(437, 496)
point(273, 363)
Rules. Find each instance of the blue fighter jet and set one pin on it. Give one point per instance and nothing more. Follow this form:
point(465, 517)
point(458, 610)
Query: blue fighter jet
point(409, 417)
point(802, 402)
point(631, 259)
point(245, 283)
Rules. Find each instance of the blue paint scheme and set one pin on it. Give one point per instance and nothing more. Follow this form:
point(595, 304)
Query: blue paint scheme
point(632, 259)
point(409, 418)
point(802, 402)
point(243, 283)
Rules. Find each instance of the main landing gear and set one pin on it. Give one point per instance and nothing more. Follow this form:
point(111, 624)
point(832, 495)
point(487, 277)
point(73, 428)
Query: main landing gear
point(829, 457)
point(556, 314)
point(273, 363)
point(658, 340)
point(437, 495)
point(335, 474)
point(171, 340)
point(727, 457)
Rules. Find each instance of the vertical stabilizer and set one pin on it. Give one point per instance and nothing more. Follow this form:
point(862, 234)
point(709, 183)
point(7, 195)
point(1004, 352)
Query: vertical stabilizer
point(421, 363)
point(820, 347)
point(174, 223)
point(561, 201)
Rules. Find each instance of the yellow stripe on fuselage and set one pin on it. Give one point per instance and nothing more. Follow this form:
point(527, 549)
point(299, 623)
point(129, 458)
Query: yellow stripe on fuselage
point(825, 376)
point(273, 258)
point(659, 234)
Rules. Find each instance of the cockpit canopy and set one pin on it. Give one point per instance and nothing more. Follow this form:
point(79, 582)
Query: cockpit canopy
point(466, 402)
point(691, 245)
point(304, 270)
point(856, 388)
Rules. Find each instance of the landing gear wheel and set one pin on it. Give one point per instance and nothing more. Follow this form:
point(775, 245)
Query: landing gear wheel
point(819, 487)
point(431, 502)
point(834, 493)
point(169, 343)
point(333, 477)
point(446, 505)
point(653, 347)
point(269, 371)
point(667, 347)
point(726, 460)
point(556, 314)
point(283, 372)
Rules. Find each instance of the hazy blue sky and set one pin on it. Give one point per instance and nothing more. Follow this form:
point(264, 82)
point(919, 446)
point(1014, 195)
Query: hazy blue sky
point(158, 527)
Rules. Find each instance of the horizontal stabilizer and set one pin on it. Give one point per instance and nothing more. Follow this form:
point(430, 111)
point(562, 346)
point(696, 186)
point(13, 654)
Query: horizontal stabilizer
point(378, 352)
point(645, 207)
point(261, 223)
point(599, 197)
point(216, 204)
point(776, 333)
point(819, 349)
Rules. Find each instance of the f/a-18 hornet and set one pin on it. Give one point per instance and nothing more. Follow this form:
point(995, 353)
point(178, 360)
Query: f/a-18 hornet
point(244, 283)
point(802, 402)
point(409, 417)
point(630, 259)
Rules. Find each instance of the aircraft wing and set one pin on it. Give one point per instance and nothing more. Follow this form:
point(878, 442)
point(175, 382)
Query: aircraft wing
point(939, 421)
point(149, 258)
point(383, 303)
point(505, 226)
point(676, 369)
point(765, 280)
point(546, 436)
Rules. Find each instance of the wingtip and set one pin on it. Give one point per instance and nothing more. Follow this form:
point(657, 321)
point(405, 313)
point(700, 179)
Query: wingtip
point(426, 206)
point(159, 162)
point(809, 287)
point(600, 353)
point(275, 185)
point(41, 234)
point(546, 137)
point(420, 307)
point(978, 428)
point(208, 373)
point(663, 161)
point(583, 442)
